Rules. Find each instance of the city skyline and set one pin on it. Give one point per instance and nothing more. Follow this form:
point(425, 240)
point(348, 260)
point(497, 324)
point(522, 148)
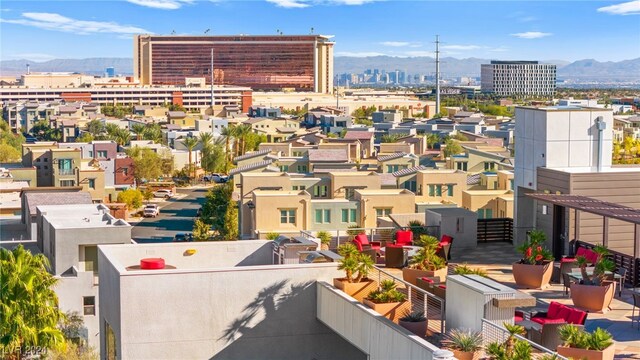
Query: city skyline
point(41, 31)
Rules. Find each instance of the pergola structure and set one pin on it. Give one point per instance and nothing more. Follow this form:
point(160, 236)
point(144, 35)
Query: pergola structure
point(608, 211)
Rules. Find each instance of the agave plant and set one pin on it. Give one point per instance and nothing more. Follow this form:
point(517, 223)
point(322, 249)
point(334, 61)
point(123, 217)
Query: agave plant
point(461, 340)
point(413, 316)
point(387, 293)
point(272, 235)
point(325, 238)
point(574, 337)
point(465, 269)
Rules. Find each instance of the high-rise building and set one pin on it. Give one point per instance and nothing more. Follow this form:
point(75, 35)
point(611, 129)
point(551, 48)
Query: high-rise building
point(266, 62)
point(110, 72)
point(518, 78)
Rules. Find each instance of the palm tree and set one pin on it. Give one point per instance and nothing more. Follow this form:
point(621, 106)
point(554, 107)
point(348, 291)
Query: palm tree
point(432, 140)
point(138, 129)
point(190, 143)
point(242, 131)
point(28, 303)
point(229, 134)
point(122, 137)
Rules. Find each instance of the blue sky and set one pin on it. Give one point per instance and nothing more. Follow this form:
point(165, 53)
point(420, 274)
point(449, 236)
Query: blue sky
point(540, 30)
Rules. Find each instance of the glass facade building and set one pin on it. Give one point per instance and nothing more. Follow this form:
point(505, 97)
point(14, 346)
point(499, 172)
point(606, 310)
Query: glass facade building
point(300, 63)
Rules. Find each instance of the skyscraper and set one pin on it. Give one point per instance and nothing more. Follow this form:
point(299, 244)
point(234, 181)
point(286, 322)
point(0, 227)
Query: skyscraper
point(267, 62)
point(518, 78)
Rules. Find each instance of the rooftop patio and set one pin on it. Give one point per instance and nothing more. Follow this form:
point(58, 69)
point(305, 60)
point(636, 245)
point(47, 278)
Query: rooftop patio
point(496, 259)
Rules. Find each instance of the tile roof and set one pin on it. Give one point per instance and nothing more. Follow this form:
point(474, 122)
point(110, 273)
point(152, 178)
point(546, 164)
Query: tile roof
point(473, 179)
point(254, 166)
point(35, 199)
point(328, 155)
point(286, 130)
point(251, 155)
point(387, 179)
point(360, 135)
point(176, 114)
point(396, 155)
point(409, 171)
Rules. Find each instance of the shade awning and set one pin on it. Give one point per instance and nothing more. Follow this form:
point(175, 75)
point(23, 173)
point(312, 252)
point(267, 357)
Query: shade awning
point(591, 205)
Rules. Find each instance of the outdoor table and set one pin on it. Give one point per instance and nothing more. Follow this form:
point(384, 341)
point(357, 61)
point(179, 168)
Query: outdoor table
point(578, 275)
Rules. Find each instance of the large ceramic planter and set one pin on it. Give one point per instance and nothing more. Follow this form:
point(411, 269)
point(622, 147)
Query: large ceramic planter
point(466, 355)
point(392, 311)
point(416, 327)
point(592, 297)
point(532, 276)
point(574, 353)
point(357, 290)
point(410, 275)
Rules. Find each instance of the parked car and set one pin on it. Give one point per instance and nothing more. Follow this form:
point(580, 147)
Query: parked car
point(216, 178)
point(163, 193)
point(182, 237)
point(151, 210)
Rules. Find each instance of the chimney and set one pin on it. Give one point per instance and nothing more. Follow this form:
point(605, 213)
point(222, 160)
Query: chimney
point(601, 126)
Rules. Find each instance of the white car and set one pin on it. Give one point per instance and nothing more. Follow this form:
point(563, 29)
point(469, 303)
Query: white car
point(151, 210)
point(163, 193)
point(216, 178)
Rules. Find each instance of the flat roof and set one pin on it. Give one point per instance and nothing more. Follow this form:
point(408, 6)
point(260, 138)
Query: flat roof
point(80, 216)
point(591, 205)
point(612, 169)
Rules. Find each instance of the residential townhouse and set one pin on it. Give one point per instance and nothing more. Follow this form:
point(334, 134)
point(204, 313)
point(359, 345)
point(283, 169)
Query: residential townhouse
point(492, 195)
point(22, 115)
point(366, 139)
point(478, 157)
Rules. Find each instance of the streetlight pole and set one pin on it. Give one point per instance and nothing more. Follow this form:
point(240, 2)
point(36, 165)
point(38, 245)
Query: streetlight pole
point(212, 78)
point(437, 74)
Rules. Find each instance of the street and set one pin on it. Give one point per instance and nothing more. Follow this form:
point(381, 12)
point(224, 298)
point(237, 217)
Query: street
point(176, 215)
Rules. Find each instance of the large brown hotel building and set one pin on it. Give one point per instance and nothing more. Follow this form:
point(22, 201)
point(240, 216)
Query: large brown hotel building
point(297, 62)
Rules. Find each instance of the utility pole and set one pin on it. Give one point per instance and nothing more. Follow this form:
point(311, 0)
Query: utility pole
point(212, 77)
point(337, 97)
point(437, 74)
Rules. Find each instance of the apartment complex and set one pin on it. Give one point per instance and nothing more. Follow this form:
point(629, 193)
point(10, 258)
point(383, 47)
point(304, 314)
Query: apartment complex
point(192, 98)
point(267, 62)
point(518, 78)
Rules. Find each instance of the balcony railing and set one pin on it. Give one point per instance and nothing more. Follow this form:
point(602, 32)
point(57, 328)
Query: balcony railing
point(65, 172)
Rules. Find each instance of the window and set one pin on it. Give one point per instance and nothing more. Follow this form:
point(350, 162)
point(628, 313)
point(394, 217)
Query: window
point(485, 213)
point(410, 185)
point(92, 183)
point(352, 215)
point(102, 154)
point(323, 216)
point(67, 183)
point(38, 160)
point(511, 184)
point(431, 190)
point(299, 187)
point(488, 165)
point(46, 159)
point(91, 153)
point(459, 225)
point(438, 190)
point(125, 171)
point(383, 211)
point(348, 215)
point(89, 305)
point(321, 191)
point(350, 193)
point(297, 154)
point(288, 216)
point(284, 168)
point(302, 168)
point(462, 165)
point(450, 190)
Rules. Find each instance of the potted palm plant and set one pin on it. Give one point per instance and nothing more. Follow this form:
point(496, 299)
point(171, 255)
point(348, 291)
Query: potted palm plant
point(595, 291)
point(388, 301)
point(356, 266)
point(512, 348)
point(535, 268)
point(579, 344)
point(414, 321)
point(425, 262)
point(325, 239)
point(465, 345)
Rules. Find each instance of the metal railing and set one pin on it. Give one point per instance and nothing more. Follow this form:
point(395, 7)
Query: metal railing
point(64, 172)
point(381, 234)
point(432, 306)
point(492, 332)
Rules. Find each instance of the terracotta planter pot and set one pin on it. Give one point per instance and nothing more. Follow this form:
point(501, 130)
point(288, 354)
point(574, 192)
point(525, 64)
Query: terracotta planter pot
point(592, 297)
point(417, 327)
point(466, 355)
point(575, 353)
point(410, 275)
point(324, 246)
point(532, 276)
point(392, 311)
point(358, 290)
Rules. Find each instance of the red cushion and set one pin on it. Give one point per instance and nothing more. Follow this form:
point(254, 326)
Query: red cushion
point(581, 252)
point(358, 244)
point(564, 313)
point(446, 239)
point(427, 280)
point(592, 256)
point(364, 240)
point(393, 246)
point(554, 309)
point(443, 287)
point(518, 318)
point(404, 237)
point(576, 317)
point(541, 320)
point(568, 260)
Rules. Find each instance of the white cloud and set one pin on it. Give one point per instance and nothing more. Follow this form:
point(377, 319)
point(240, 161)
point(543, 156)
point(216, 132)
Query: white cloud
point(161, 4)
point(627, 8)
point(395, 43)
point(290, 4)
point(531, 35)
point(360, 54)
point(57, 22)
point(461, 47)
point(351, 2)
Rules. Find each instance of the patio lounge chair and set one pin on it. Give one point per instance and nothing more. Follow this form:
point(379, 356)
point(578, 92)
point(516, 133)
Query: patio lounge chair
point(361, 241)
point(404, 237)
point(394, 256)
point(444, 249)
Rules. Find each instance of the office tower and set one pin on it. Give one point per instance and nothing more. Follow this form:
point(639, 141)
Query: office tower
point(518, 78)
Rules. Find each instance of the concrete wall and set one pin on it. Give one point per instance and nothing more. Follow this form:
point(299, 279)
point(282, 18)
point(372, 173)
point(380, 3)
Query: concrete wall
point(266, 216)
point(390, 148)
point(340, 180)
point(425, 178)
point(253, 312)
point(399, 201)
point(335, 207)
point(71, 290)
point(461, 224)
point(369, 331)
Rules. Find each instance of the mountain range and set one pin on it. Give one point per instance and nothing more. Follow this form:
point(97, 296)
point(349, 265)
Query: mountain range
point(588, 69)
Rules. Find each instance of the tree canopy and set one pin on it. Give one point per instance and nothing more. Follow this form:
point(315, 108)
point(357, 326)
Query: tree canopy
point(149, 165)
